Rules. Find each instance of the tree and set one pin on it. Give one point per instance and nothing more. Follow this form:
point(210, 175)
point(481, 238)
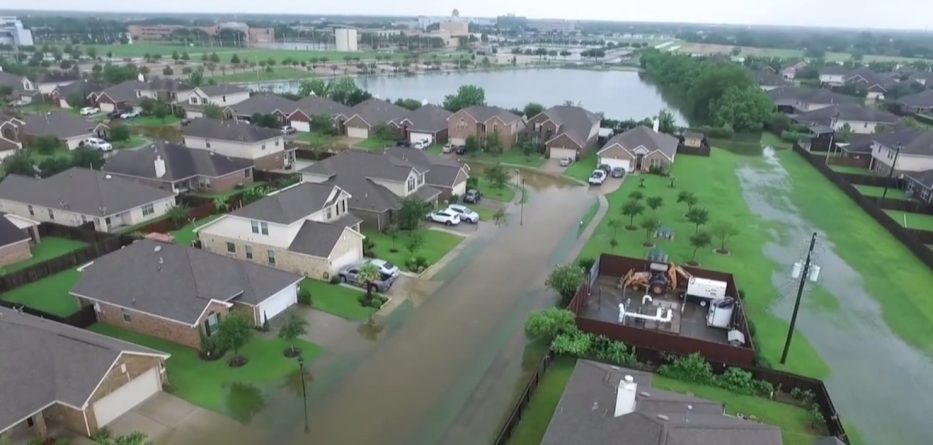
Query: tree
point(235, 59)
point(698, 216)
point(666, 123)
point(632, 208)
point(698, 241)
point(411, 213)
point(167, 71)
point(196, 78)
point(414, 242)
point(723, 230)
point(467, 95)
point(471, 144)
point(368, 275)
point(212, 111)
point(654, 202)
point(178, 215)
point(234, 331)
point(549, 323)
point(264, 120)
point(47, 145)
point(636, 195)
point(88, 158)
point(383, 132)
point(19, 164)
point(184, 56)
point(316, 87)
point(408, 104)
point(565, 280)
point(293, 327)
point(175, 55)
point(688, 198)
point(651, 224)
point(54, 165)
point(323, 124)
point(497, 175)
point(532, 109)
point(743, 108)
point(120, 133)
point(91, 52)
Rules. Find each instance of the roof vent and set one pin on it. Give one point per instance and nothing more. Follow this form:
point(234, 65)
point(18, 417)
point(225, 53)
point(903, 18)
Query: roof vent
point(663, 417)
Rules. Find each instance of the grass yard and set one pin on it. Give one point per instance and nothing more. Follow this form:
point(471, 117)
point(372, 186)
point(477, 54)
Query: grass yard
point(50, 247)
point(792, 420)
point(375, 144)
point(316, 140)
point(485, 213)
point(873, 191)
point(49, 294)
point(152, 121)
point(504, 194)
point(769, 138)
point(582, 169)
point(186, 235)
point(435, 245)
point(335, 299)
point(232, 192)
point(917, 221)
point(850, 169)
point(513, 156)
point(135, 141)
point(540, 409)
point(261, 75)
point(218, 387)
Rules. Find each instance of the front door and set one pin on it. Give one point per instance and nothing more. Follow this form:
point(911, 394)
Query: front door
point(210, 324)
point(638, 161)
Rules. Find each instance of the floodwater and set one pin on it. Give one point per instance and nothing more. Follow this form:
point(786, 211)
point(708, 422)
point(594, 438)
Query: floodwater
point(618, 94)
point(880, 384)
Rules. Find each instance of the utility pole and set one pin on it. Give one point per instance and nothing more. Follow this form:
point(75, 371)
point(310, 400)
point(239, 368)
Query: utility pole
point(803, 281)
point(891, 172)
point(521, 220)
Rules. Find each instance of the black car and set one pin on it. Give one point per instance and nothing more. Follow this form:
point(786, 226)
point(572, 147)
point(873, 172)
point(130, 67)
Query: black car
point(461, 150)
point(606, 168)
point(472, 196)
point(115, 114)
point(617, 172)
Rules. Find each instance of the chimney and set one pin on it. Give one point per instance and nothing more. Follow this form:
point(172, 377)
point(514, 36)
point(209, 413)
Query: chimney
point(625, 398)
point(141, 77)
point(657, 124)
point(159, 166)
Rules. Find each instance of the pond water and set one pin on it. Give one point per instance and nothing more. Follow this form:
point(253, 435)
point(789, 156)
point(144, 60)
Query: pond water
point(616, 94)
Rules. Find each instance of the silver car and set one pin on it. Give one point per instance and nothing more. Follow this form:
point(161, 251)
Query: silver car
point(351, 275)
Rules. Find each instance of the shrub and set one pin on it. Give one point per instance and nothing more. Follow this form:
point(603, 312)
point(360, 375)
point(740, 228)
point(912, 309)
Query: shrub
point(793, 136)
point(737, 380)
point(210, 347)
point(304, 295)
point(368, 246)
point(692, 368)
point(454, 199)
point(586, 263)
point(612, 351)
point(815, 418)
point(550, 323)
point(718, 132)
point(804, 396)
point(574, 343)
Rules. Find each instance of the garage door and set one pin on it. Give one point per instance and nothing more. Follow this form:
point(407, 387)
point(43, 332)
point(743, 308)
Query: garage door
point(415, 137)
point(613, 162)
point(277, 303)
point(561, 153)
point(126, 397)
point(193, 114)
point(457, 141)
point(357, 132)
point(106, 107)
point(301, 125)
point(347, 259)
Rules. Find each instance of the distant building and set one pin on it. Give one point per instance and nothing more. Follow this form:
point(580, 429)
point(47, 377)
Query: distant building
point(511, 21)
point(456, 29)
point(152, 33)
point(346, 39)
point(553, 25)
point(13, 33)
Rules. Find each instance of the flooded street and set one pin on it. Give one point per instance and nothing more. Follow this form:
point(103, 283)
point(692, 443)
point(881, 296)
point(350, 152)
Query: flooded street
point(872, 367)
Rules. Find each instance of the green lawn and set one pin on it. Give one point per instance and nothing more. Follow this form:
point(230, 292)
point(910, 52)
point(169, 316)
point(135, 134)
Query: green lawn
point(316, 139)
point(485, 213)
point(873, 191)
point(792, 420)
point(218, 387)
point(339, 300)
point(504, 194)
point(850, 169)
point(246, 55)
point(582, 169)
point(48, 294)
point(540, 408)
point(50, 247)
point(435, 245)
point(768, 138)
point(152, 121)
point(232, 192)
point(135, 141)
point(513, 156)
point(918, 221)
point(186, 235)
point(262, 75)
point(375, 143)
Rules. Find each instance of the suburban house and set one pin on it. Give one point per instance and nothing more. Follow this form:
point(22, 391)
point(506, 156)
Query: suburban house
point(921, 102)
point(427, 122)
point(62, 125)
point(833, 75)
point(56, 377)
point(181, 169)
point(187, 290)
point(11, 128)
point(639, 149)
point(120, 97)
point(376, 182)
point(789, 71)
point(56, 78)
point(565, 131)
point(221, 95)
point(920, 185)
point(264, 146)
point(443, 173)
point(305, 229)
point(76, 91)
point(17, 235)
point(15, 82)
point(792, 99)
point(924, 78)
point(365, 116)
point(277, 106)
point(605, 404)
point(78, 196)
point(876, 85)
point(309, 107)
point(768, 79)
point(857, 118)
point(165, 89)
point(481, 122)
point(904, 150)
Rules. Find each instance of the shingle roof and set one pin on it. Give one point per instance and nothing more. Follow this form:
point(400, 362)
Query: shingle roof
point(263, 103)
point(439, 171)
point(229, 130)
point(314, 106)
point(585, 415)
point(575, 122)
point(166, 84)
point(9, 232)
point(180, 162)
point(912, 141)
point(81, 190)
point(769, 77)
point(222, 89)
point(289, 205)
point(646, 137)
point(834, 70)
point(428, 118)
point(483, 113)
point(924, 178)
point(80, 88)
point(848, 112)
point(125, 91)
point(44, 361)
point(11, 80)
point(58, 123)
point(363, 164)
point(790, 95)
point(180, 281)
point(318, 238)
point(921, 99)
point(377, 111)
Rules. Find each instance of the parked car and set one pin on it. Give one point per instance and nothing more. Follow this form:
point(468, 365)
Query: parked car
point(461, 150)
point(472, 196)
point(448, 148)
point(446, 217)
point(288, 129)
point(185, 122)
point(617, 172)
point(465, 213)
point(598, 177)
point(87, 111)
point(97, 144)
point(565, 162)
point(115, 114)
point(351, 275)
point(606, 168)
point(129, 114)
point(385, 267)
point(421, 144)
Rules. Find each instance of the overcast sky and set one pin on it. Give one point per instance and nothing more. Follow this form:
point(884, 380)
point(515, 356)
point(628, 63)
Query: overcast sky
point(895, 14)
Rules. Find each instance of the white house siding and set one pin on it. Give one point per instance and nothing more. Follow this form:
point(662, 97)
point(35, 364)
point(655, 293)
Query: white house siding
point(459, 189)
point(46, 88)
point(883, 157)
point(68, 218)
point(193, 114)
point(857, 127)
point(248, 150)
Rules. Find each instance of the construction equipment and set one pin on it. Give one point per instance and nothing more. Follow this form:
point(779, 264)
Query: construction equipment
point(659, 279)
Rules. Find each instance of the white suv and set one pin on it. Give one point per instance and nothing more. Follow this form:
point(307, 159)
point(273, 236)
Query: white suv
point(87, 111)
point(464, 212)
point(97, 144)
point(446, 217)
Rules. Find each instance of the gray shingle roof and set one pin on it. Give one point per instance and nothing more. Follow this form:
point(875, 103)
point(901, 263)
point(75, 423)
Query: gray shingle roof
point(180, 162)
point(791, 96)
point(646, 137)
point(318, 238)
point(221, 89)
point(768, 77)
point(44, 361)
point(848, 112)
point(81, 190)
point(58, 123)
point(179, 281)
point(585, 415)
point(9, 232)
point(229, 130)
point(315, 105)
point(125, 91)
point(289, 205)
point(439, 171)
point(377, 111)
point(263, 103)
point(54, 76)
point(80, 88)
point(428, 118)
point(11, 80)
point(924, 178)
point(483, 113)
point(921, 99)
point(912, 141)
point(575, 122)
point(364, 164)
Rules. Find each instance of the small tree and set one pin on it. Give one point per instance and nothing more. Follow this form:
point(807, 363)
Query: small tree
point(120, 133)
point(698, 241)
point(414, 242)
point(632, 208)
point(687, 198)
point(392, 231)
point(88, 158)
point(384, 132)
point(650, 224)
point(698, 216)
point(411, 213)
point(293, 328)
point(167, 71)
point(497, 176)
point(234, 331)
point(550, 323)
point(636, 195)
point(654, 202)
point(47, 145)
point(19, 164)
point(75, 101)
point(471, 144)
point(323, 124)
point(532, 109)
point(212, 111)
point(723, 230)
point(368, 275)
point(178, 215)
point(613, 225)
point(565, 280)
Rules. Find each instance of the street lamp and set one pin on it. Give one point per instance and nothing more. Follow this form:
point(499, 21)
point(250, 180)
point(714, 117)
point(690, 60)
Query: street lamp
point(304, 391)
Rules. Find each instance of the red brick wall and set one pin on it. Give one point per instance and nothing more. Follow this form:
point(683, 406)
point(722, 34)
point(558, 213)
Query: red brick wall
point(155, 326)
point(229, 182)
point(454, 129)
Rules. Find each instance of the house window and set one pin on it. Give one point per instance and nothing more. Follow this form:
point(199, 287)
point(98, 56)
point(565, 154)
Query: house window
point(328, 213)
point(126, 315)
point(31, 211)
point(231, 248)
point(207, 144)
point(210, 323)
point(343, 204)
point(148, 209)
point(249, 252)
point(411, 183)
point(264, 228)
point(247, 173)
point(51, 215)
point(223, 99)
point(271, 255)
point(263, 146)
point(255, 226)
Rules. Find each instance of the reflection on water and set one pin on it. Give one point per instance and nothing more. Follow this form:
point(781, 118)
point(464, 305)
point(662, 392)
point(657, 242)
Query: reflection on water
point(244, 401)
point(293, 381)
point(532, 179)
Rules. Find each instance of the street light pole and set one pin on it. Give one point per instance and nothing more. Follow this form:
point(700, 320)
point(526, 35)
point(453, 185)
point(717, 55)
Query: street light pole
point(803, 281)
point(891, 172)
point(304, 391)
point(521, 220)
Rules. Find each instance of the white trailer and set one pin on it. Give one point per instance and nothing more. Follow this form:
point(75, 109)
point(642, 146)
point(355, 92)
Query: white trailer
point(706, 288)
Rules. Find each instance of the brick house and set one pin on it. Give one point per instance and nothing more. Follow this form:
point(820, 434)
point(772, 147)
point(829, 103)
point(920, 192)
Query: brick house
point(265, 147)
point(427, 122)
point(70, 130)
point(311, 106)
point(639, 149)
point(17, 236)
point(277, 106)
point(440, 172)
point(483, 122)
point(57, 377)
point(365, 116)
point(565, 131)
point(181, 169)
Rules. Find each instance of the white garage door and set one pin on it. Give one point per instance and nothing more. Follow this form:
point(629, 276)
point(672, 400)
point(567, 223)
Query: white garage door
point(357, 132)
point(106, 107)
point(415, 137)
point(561, 153)
point(194, 114)
point(457, 141)
point(126, 397)
point(613, 162)
point(301, 126)
point(277, 303)
point(351, 257)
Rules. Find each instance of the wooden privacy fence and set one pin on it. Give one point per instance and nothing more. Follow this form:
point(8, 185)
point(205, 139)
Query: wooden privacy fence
point(515, 414)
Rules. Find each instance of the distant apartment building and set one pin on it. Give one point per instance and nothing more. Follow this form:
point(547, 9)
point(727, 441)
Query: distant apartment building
point(553, 25)
point(13, 33)
point(455, 29)
point(346, 39)
point(153, 33)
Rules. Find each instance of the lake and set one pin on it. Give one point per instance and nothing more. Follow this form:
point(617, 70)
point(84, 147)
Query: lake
point(617, 94)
